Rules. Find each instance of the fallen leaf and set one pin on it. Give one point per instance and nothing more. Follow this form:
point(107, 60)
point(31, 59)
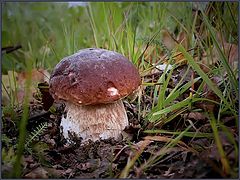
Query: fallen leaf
point(212, 152)
point(37, 75)
point(209, 94)
point(168, 173)
point(195, 116)
point(54, 172)
point(230, 50)
point(171, 43)
point(168, 39)
point(211, 56)
point(182, 39)
point(90, 166)
point(152, 54)
point(38, 173)
point(15, 83)
point(68, 171)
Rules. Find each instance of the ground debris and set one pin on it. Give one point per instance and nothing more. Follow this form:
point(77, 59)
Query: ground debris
point(191, 157)
point(38, 173)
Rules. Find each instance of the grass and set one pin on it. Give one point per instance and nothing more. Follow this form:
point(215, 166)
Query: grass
point(225, 163)
point(23, 124)
point(50, 31)
point(154, 159)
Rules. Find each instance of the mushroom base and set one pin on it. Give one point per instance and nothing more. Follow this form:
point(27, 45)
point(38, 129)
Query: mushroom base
point(95, 121)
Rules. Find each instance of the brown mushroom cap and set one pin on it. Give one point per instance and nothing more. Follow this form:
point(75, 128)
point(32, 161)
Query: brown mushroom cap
point(93, 76)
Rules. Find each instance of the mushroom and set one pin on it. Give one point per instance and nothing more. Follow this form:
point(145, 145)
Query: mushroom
point(92, 83)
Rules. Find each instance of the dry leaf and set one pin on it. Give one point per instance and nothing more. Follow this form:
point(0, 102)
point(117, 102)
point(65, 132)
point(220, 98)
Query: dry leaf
point(54, 172)
point(152, 54)
point(18, 90)
point(171, 43)
point(182, 39)
point(209, 94)
point(211, 56)
point(38, 173)
point(195, 116)
point(168, 40)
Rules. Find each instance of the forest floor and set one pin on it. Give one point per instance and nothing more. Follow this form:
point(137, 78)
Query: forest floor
point(137, 155)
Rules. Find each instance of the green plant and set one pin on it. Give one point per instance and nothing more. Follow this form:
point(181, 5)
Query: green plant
point(8, 159)
point(34, 135)
point(22, 126)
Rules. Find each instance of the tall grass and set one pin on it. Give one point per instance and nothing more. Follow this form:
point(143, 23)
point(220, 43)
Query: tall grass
point(22, 128)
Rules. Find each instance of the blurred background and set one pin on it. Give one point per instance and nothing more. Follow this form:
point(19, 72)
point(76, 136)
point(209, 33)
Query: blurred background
point(48, 32)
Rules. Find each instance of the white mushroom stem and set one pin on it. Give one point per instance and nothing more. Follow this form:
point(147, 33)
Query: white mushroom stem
point(95, 121)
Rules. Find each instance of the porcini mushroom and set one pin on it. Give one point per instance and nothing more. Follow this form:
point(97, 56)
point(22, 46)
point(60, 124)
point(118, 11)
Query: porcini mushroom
point(92, 82)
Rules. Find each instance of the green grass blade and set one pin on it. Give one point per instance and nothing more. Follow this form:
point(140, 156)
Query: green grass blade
point(93, 24)
point(176, 93)
point(22, 129)
point(223, 57)
point(224, 160)
point(204, 76)
point(166, 110)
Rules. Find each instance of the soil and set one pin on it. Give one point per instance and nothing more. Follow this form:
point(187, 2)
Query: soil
point(50, 156)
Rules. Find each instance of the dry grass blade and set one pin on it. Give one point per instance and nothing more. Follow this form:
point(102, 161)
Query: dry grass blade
point(170, 142)
point(115, 157)
point(167, 139)
point(140, 147)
